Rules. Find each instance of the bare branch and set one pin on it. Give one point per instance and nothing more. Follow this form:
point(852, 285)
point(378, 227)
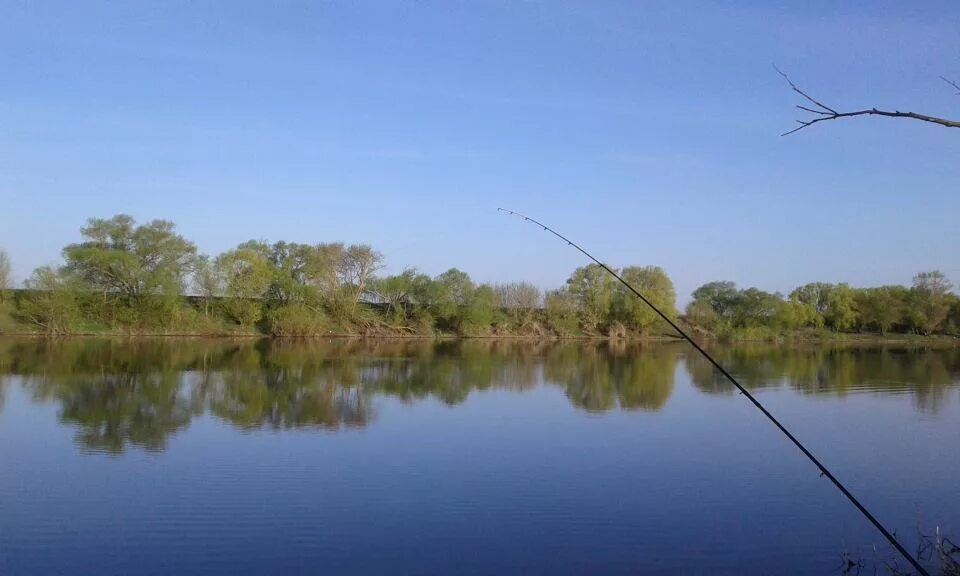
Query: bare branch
point(952, 83)
point(825, 112)
point(802, 93)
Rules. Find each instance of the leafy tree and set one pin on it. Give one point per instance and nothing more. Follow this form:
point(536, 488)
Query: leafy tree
point(953, 316)
point(793, 315)
point(360, 263)
point(815, 294)
point(117, 256)
point(756, 308)
point(931, 304)
point(594, 291)
point(722, 297)
point(5, 281)
point(701, 313)
point(208, 282)
point(247, 276)
point(841, 312)
point(480, 311)
point(458, 285)
point(395, 291)
point(431, 297)
point(656, 286)
point(51, 304)
point(880, 308)
point(561, 311)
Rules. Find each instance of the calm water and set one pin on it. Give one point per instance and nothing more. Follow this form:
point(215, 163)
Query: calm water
point(200, 457)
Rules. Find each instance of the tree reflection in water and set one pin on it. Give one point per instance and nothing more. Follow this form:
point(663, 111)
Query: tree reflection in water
point(138, 393)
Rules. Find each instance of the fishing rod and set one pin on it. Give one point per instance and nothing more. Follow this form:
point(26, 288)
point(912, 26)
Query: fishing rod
point(753, 400)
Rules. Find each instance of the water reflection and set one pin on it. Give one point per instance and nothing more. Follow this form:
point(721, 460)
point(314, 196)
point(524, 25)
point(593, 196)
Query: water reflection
point(926, 374)
point(138, 393)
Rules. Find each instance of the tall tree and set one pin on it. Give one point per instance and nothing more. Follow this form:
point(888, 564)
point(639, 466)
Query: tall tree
point(931, 290)
point(656, 286)
point(721, 296)
point(594, 290)
point(120, 257)
point(815, 294)
point(360, 263)
point(247, 276)
point(208, 282)
point(5, 280)
point(51, 303)
point(520, 299)
point(841, 312)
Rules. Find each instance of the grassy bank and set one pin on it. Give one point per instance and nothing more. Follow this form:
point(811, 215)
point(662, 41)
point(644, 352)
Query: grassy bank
point(39, 313)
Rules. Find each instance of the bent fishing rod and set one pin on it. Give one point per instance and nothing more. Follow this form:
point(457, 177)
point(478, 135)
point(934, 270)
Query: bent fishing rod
point(824, 471)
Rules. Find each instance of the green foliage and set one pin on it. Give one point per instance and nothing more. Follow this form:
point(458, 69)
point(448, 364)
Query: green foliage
point(480, 311)
point(793, 315)
point(881, 308)
point(814, 294)
point(841, 312)
point(135, 261)
point(129, 278)
point(594, 291)
point(295, 320)
point(560, 309)
point(655, 285)
point(699, 312)
point(5, 280)
point(247, 275)
point(931, 292)
point(51, 303)
point(722, 297)
point(925, 308)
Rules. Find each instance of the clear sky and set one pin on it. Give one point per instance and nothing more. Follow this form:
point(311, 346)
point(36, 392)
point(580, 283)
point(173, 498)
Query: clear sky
point(648, 131)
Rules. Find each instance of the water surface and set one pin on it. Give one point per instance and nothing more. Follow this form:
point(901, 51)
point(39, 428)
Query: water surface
point(404, 457)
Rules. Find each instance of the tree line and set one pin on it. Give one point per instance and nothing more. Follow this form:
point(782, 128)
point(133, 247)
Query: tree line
point(128, 277)
point(926, 307)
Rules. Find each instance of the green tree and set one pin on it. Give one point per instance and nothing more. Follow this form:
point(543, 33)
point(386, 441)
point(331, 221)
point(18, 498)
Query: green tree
point(701, 313)
point(560, 309)
point(431, 297)
point(247, 276)
point(721, 296)
point(793, 315)
point(656, 286)
point(880, 308)
point(360, 263)
point(458, 285)
point(931, 303)
point(953, 316)
point(815, 294)
point(5, 280)
point(208, 282)
point(395, 292)
point(594, 291)
point(117, 256)
point(754, 308)
point(51, 303)
point(480, 312)
point(841, 312)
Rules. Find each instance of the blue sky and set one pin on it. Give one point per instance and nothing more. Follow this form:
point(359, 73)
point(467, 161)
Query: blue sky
point(649, 132)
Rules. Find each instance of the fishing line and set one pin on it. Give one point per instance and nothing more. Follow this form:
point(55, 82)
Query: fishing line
point(823, 469)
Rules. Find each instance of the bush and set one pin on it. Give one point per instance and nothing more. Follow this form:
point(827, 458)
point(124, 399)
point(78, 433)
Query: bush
point(243, 311)
point(296, 320)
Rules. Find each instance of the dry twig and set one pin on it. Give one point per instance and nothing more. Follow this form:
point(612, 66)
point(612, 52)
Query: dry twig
point(823, 112)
